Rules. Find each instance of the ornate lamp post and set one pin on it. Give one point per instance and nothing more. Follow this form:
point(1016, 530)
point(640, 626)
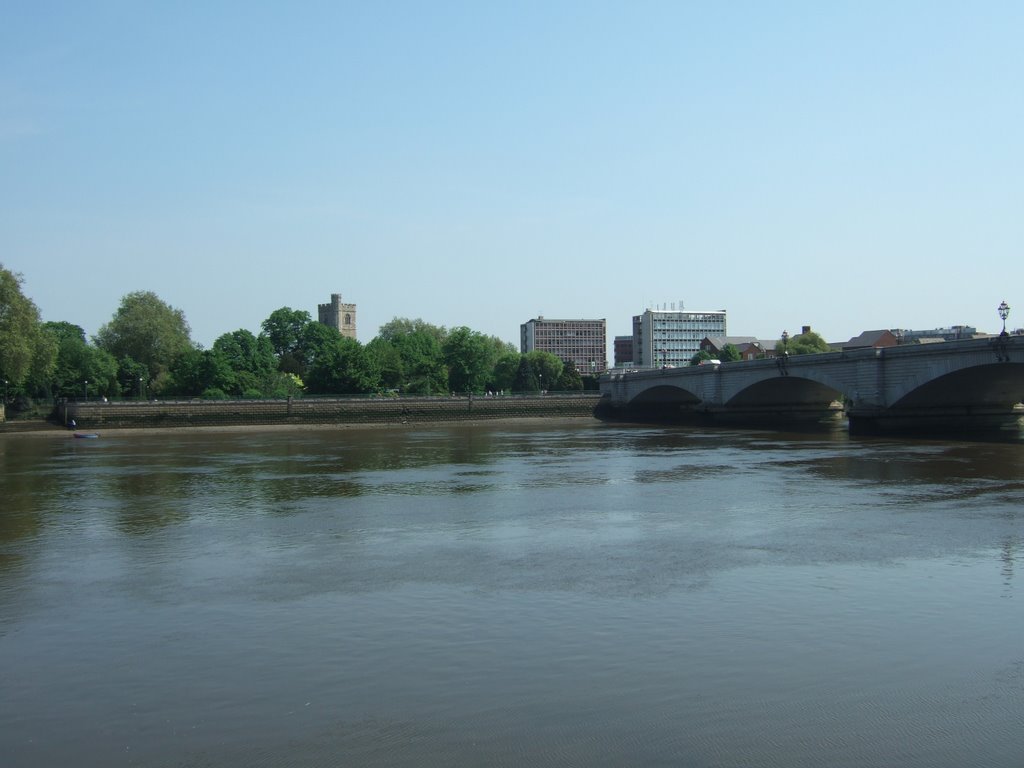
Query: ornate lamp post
point(785, 342)
point(1004, 312)
point(86, 383)
point(5, 391)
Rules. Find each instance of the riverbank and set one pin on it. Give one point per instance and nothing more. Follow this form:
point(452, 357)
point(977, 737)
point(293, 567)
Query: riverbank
point(306, 413)
point(47, 430)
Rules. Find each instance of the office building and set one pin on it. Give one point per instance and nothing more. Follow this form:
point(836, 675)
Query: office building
point(669, 337)
point(582, 341)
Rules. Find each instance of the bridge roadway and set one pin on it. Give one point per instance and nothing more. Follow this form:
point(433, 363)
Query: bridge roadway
point(954, 385)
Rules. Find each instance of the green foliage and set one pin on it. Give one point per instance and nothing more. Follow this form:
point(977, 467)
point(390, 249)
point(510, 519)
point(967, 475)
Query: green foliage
point(401, 326)
point(27, 353)
point(388, 361)
point(809, 343)
point(410, 358)
point(546, 366)
point(569, 380)
point(198, 371)
point(315, 341)
point(505, 370)
point(77, 362)
point(470, 357)
point(729, 354)
point(149, 331)
point(526, 378)
point(247, 353)
point(700, 356)
point(423, 364)
point(343, 367)
point(132, 378)
point(284, 329)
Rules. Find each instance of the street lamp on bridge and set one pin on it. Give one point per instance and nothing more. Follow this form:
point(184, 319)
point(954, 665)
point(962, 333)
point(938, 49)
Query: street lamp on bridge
point(1004, 312)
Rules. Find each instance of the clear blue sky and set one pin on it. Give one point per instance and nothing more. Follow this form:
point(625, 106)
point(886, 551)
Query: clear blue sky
point(850, 166)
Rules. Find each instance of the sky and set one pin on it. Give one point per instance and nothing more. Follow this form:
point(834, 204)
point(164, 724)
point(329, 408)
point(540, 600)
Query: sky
point(844, 165)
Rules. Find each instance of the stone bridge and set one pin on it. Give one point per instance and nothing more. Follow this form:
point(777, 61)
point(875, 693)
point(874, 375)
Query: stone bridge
point(970, 384)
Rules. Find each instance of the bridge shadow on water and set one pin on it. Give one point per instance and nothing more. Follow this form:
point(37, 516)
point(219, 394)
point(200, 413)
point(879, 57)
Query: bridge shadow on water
point(828, 422)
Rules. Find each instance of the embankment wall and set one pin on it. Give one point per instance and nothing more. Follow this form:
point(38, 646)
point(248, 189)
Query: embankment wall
point(198, 413)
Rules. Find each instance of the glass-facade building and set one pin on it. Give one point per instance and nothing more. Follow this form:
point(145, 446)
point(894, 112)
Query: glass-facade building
point(669, 337)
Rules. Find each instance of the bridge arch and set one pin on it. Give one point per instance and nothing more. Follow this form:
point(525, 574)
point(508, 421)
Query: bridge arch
point(784, 390)
point(666, 394)
point(997, 384)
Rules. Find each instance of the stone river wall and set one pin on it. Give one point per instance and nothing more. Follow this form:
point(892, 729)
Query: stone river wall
point(200, 413)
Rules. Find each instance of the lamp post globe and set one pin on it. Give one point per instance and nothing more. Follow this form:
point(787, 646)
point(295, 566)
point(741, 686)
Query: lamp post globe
point(1004, 312)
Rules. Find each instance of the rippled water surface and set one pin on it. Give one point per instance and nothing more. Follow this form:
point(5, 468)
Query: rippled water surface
point(569, 594)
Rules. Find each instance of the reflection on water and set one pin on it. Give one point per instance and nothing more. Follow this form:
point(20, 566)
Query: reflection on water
point(510, 595)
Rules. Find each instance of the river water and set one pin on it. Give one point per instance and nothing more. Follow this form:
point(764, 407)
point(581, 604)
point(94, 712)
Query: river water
point(545, 594)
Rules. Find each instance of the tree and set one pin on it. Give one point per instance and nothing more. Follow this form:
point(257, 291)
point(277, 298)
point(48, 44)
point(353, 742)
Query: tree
point(315, 340)
point(284, 328)
point(343, 367)
point(808, 343)
point(402, 326)
point(149, 331)
point(202, 372)
point(470, 357)
point(252, 362)
point(700, 356)
point(388, 361)
point(526, 379)
point(77, 362)
point(546, 366)
point(26, 351)
point(729, 354)
point(132, 377)
point(569, 380)
point(505, 370)
point(423, 365)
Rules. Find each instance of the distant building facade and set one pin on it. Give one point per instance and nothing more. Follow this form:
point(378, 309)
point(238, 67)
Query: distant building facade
point(622, 349)
point(953, 333)
point(582, 341)
point(872, 340)
point(748, 347)
point(338, 315)
point(670, 337)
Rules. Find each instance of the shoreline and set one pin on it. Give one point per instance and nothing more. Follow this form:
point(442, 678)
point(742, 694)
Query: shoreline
point(44, 430)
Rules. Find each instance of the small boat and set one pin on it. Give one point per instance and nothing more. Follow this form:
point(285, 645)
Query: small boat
point(87, 435)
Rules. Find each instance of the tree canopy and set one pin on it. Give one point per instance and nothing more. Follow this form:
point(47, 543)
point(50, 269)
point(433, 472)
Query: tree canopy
point(729, 353)
point(78, 361)
point(470, 357)
point(809, 343)
point(149, 331)
point(27, 353)
point(146, 350)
